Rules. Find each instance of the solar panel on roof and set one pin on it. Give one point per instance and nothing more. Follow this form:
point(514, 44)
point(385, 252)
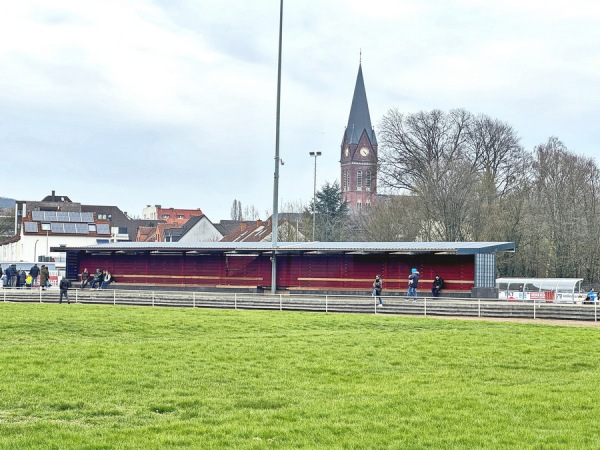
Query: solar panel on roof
point(37, 215)
point(87, 217)
point(57, 227)
point(81, 228)
point(31, 227)
point(70, 227)
point(62, 216)
point(103, 228)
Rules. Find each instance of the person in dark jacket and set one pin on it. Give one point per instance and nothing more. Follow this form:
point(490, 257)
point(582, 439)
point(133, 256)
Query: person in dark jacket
point(413, 283)
point(438, 285)
point(44, 277)
point(97, 281)
point(34, 272)
point(377, 288)
point(64, 286)
point(85, 277)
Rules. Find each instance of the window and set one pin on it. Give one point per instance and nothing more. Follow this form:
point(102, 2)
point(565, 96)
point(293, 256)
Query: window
point(359, 205)
point(165, 216)
point(343, 181)
point(92, 227)
point(180, 216)
point(101, 216)
point(45, 227)
point(359, 180)
point(368, 178)
point(348, 188)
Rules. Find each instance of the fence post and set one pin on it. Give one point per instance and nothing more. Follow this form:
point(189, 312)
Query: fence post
point(114, 296)
point(280, 302)
point(152, 298)
point(596, 311)
point(425, 306)
point(41, 294)
point(76, 295)
point(534, 308)
point(235, 300)
point(479, 307)
point(193, 299)
point(326, 303)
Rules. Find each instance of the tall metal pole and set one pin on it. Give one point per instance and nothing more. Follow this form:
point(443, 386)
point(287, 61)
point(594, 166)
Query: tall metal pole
point(314, 154)
point(276, 175)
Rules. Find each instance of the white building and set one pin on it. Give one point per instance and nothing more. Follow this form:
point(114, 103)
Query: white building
point(42, 230)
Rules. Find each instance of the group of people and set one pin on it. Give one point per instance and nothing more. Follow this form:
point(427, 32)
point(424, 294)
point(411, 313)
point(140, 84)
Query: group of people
point(15, 278)
point(413, 284)
point(100, 280)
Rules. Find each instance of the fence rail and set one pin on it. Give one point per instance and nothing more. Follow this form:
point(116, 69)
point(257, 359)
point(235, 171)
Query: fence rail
point(424, 306)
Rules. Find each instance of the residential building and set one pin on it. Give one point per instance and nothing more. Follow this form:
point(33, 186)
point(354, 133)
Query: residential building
point(173, 216)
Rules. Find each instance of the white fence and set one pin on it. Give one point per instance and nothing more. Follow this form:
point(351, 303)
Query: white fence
point(424, 306)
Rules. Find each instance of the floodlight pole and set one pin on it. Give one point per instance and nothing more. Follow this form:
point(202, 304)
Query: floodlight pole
point(275, 224)
point(314, 154)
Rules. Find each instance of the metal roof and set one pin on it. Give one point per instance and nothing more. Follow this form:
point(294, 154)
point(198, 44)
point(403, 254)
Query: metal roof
point(458, 248)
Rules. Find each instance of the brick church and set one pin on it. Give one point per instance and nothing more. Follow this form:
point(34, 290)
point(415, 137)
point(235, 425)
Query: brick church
point(358, 157)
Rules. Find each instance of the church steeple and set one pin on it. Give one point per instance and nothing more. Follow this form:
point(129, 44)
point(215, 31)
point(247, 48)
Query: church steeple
point(359, 119)
point(358, 159)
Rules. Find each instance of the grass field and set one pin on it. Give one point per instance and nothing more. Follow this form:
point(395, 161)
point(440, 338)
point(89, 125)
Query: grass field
point(102, 377)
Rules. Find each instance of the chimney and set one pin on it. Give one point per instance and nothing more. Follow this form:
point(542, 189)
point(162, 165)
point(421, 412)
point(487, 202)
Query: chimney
point(243, 226)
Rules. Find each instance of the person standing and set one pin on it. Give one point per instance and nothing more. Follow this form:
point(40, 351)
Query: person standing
point(377, 288)
point(44, 277)
point(438, 285)
point(413, 283)
point(64, 286)
point(34, 272)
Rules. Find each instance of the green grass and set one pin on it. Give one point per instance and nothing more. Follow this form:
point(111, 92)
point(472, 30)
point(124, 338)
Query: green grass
point(102, 377)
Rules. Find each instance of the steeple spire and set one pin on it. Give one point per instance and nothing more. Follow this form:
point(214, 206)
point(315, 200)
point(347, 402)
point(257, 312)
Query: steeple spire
point(359, 119)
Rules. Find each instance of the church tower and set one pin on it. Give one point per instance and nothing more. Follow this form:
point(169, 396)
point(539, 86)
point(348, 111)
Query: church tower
point(358, 159)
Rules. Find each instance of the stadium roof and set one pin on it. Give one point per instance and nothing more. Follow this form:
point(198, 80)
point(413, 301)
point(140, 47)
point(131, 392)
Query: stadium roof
point(457, 248)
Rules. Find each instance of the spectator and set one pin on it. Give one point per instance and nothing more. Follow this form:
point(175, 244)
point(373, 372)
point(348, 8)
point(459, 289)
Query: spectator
point(106, 280)
point(85, 277)
point(97, 281)
point(34, 272)
point(44, 277)
point(438, 285)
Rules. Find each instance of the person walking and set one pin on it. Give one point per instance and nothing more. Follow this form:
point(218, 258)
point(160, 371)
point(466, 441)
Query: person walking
point(377, 288)
point(64, 286)
point(438, 285)
point(413, 283)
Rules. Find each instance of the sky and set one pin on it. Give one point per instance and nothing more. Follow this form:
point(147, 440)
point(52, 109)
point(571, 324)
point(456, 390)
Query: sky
point(173, 102)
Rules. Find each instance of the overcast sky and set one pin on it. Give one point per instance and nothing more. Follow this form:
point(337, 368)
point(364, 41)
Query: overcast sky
point(173, 102)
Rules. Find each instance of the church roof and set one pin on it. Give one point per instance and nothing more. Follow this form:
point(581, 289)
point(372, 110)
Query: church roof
point(360, 119)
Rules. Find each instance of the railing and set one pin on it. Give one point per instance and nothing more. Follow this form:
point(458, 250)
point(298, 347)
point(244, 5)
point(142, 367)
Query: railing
point(425, 306)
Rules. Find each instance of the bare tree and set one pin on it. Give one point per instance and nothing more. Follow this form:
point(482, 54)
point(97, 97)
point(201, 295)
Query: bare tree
point(236, 210)
point(392, 219)
point(428, 154)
